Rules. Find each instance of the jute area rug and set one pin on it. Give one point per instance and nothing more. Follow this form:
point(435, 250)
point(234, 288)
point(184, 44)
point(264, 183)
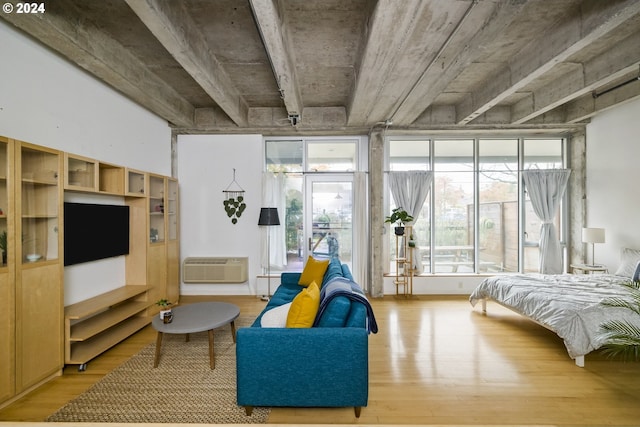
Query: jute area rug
point(182, 389)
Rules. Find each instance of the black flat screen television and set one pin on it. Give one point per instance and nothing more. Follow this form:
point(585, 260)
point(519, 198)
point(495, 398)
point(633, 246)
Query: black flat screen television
point(93, 232)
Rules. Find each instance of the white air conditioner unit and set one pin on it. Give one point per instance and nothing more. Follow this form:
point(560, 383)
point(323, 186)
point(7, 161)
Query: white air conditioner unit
point(215, 270)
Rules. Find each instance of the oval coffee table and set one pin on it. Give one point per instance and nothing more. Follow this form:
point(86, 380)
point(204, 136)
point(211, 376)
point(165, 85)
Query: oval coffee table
point(197, 317)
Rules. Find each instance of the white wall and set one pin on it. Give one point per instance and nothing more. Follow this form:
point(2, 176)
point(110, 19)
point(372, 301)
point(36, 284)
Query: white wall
point(205, 168)
point(613, 202)
point(48, 101)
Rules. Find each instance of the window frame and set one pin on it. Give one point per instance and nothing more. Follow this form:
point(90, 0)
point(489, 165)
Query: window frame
point(522, 139)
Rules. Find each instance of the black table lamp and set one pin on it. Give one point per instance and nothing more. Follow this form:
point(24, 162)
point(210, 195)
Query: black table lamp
point(268, 217)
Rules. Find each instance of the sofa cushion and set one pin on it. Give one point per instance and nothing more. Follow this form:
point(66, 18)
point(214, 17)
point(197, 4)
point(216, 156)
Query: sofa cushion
point(313, 271)
point(334, 269)
point(346, 272)
point(276, 317)
point(335, 316)
point(304, 307)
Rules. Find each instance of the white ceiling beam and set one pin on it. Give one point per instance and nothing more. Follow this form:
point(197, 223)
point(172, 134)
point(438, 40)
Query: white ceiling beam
point(278, 45)
point(172, 25)
point(90, 48)
point(596, 20)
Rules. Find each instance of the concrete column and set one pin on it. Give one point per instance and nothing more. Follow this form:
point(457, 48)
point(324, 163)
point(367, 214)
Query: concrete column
point(376, 215)
point(577, 196)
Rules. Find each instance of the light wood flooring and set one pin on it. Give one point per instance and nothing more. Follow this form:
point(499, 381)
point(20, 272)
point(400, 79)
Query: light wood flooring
point(435, 361)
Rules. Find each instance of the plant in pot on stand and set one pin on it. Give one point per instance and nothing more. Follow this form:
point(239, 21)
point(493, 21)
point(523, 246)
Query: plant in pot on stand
point(399, 217)
point(165, 310)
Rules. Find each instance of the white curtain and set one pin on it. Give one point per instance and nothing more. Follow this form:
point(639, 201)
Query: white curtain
point(273, 196)
point(409, 190)
point(546, 188)
point(361, 230)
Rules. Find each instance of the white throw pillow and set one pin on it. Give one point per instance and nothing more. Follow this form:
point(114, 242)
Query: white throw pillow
point(628, 262)
point(276, 317)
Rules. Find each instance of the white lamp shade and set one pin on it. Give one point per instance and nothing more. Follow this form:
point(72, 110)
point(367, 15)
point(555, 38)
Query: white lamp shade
point(593, 235)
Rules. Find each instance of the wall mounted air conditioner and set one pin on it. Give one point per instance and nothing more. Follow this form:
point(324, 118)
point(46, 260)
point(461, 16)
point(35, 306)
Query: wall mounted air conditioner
point(215, 270)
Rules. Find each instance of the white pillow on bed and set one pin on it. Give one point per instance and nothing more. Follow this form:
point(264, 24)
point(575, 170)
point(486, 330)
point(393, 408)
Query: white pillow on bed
point(276, 317)
point(628, 262)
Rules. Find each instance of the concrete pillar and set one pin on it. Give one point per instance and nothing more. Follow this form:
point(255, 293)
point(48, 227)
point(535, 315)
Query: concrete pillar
point(376, 215)
point(577, 196)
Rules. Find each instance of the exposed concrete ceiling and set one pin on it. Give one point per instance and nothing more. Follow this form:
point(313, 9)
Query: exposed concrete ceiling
point(283, 66)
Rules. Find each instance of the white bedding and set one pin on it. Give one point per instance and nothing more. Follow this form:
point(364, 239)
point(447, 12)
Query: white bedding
point(567, 304)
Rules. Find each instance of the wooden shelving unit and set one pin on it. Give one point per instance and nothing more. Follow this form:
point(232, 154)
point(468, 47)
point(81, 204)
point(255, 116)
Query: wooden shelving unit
point(96, 324)
point(80, 173)
point(110, 179)
point(404, 264)
point(135, 183)
point(40, 335)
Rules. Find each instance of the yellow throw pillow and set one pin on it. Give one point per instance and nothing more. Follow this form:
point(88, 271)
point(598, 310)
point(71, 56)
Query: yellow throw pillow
point(304, 307)
point(313, 271)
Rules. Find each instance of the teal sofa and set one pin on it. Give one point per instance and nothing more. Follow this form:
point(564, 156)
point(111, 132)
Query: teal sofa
point(322, 366)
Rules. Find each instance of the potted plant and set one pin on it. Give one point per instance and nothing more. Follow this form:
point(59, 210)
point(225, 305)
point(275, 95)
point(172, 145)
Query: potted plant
point(165, 310)
point(3, 246)
point(399, 217)
point(622, 338)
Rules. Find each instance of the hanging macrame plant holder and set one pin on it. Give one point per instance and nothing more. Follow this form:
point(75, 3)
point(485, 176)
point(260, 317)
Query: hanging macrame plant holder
point(233, 202)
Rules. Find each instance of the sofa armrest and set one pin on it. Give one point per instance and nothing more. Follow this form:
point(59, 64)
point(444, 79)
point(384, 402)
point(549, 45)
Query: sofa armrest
point(290, 278)
point(310, 367)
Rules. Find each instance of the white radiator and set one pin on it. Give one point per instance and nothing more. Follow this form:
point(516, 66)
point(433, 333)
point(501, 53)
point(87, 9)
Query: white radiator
point(215, 270)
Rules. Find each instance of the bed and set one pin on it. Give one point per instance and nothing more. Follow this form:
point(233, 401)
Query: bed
point(567, 304)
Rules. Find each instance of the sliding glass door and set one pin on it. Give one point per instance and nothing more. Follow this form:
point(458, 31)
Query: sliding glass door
point(328, 220)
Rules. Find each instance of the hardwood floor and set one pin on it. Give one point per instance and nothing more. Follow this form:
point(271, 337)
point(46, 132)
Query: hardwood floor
point(435, 360)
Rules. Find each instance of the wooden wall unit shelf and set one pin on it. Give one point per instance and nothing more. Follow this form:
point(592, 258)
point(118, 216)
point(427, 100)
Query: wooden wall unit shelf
point(92, 176)
point(110, 179)
point(96, 324)
point(135, 183)
point(33, 320)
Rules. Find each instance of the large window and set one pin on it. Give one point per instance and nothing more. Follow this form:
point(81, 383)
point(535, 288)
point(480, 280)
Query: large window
point(482, 217)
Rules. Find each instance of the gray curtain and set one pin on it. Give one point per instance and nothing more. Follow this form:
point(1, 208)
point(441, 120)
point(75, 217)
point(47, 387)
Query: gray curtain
point(546, 188)
point(409, 190)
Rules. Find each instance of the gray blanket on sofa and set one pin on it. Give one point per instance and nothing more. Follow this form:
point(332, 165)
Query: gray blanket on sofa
point(341, 286)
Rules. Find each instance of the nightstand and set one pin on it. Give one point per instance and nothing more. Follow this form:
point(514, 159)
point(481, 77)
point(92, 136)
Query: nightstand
point(588, 269)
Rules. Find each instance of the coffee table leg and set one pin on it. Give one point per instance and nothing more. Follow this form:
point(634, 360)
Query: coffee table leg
point(212, 360)
point(158, 345)
point(233, 331)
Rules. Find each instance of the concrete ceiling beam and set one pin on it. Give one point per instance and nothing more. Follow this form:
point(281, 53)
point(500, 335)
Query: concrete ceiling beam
point(388, 33)
point(87, 46)
point(595, 19)
point(480, 24)
point(584, 108)
point(279, 49)
point(613, 64)
point(172, 25)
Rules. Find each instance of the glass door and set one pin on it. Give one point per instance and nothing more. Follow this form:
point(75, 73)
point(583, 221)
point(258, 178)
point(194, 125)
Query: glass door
point(328, 217)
